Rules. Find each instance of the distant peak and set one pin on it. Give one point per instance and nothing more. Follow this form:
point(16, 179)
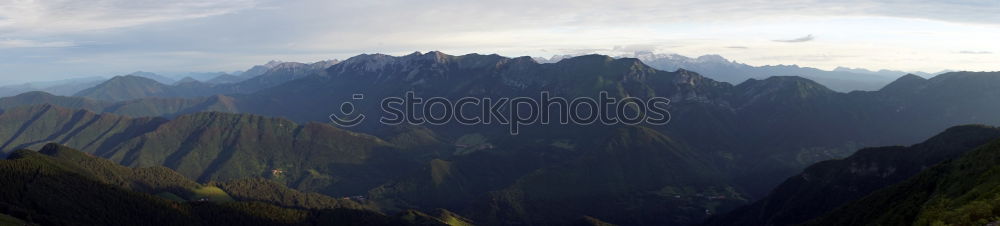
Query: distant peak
point(912, 76)
point(603, 59)
point(188, 80)
point(780, 82)
point(713, 58)
point(777, 89)
point(588, 58)
point(847, 69)
point(35, 94)
point(554, 58)
point(907, 83)
point(791, 79)
point(142, 73)
point(333, 61)
point(287, 65)
point(325, 64)
point(415, 53)
point(127, 80)
point(273, 63)
point(130, 77)
point(525, 58)
point(434, 56)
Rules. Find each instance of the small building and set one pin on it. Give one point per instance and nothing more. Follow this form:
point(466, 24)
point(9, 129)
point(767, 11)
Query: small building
point(277, 172)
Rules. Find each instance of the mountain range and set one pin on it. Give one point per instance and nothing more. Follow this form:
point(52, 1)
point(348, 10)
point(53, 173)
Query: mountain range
point(727, 145)
point(61, 87)
point(841, 79)
point(141, 85)
point(202, 83)
point(749, 114)
point(775, 123)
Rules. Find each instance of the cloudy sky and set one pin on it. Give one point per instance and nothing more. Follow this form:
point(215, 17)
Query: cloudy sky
point(52, 39)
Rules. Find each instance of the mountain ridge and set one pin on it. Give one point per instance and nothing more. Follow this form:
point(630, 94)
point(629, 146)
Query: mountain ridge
point(94, 191)
point(719, 68)
point(826, 185)
point(960, 191)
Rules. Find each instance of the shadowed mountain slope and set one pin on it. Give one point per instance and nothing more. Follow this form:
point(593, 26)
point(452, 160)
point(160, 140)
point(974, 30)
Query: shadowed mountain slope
point(210, 146)
point(62, 186)
point(827, 185)
point(962, 191)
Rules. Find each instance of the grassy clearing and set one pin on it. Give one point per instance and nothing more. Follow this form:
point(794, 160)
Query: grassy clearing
point(10, 221)
point(454, 221)
point(212, 194)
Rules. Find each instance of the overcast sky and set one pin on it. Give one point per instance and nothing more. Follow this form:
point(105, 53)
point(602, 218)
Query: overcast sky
point(52, 39)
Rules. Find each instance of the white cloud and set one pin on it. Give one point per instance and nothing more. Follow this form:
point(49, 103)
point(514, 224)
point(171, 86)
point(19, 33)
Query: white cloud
point(23, 43)
point(794, 40)
point(974, 52)
point(64, 16)
point(487, 15)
